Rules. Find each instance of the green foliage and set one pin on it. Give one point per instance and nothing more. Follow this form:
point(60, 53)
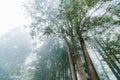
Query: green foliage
point(52, 60)
point(48, 31)
point(98, 21)
point(91, 3)
point(69, 18)
point(115, 10)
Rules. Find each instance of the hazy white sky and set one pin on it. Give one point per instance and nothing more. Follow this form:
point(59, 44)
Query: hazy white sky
point(11, 15)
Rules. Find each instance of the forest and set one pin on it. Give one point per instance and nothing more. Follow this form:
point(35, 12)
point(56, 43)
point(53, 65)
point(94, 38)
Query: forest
point(72, 40)
point(75, 39)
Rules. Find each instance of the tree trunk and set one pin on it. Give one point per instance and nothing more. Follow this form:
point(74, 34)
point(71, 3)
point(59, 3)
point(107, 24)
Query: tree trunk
point(94, 45)
point(66, 76)
point(81, 72)
point(102, 67)
point(107, 61)
point(70, 60)
point(91, 68)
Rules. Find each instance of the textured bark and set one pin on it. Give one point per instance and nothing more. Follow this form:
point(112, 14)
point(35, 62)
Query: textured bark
point(91, 68)
point(70, 60)
point(79, 64)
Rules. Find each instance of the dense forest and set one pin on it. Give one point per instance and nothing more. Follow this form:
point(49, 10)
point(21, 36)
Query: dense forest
point(15, 46)
point(72, 40)
point(80, 39)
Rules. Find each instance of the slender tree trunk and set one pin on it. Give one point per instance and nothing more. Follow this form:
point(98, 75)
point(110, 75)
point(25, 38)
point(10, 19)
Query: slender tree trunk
point(107, 61)
point(70, 60)
point(66, 74)
point(59, 75)
point(102, 66)
point(91, 68)
point(81, 72)
point(111, 59)
point(95, 45)
point(74, 62)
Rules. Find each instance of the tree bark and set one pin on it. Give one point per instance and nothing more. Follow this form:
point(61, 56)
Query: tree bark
point(70, 60)
point(81, 72)
point(91, 68)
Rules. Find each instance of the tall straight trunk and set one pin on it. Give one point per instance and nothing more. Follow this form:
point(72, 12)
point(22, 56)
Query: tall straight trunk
point(59, 75)
point(66, 75)
point(111, 59)
point(70, 60)
point(102, 66)
point(107, 61)
point(99, 59)
point(63, 74)
point(78, 60)
point(91, 68)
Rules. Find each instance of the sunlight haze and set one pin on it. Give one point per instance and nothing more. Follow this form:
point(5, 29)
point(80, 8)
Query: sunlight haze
point(11, 15)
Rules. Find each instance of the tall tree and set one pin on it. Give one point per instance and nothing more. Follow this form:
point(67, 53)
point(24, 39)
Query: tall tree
point(76, 19)
point(70, 60)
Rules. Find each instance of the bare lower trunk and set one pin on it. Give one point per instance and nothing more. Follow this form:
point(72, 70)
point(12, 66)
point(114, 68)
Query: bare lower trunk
point(70, 60)
point(81, 72)
point(92, 71)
